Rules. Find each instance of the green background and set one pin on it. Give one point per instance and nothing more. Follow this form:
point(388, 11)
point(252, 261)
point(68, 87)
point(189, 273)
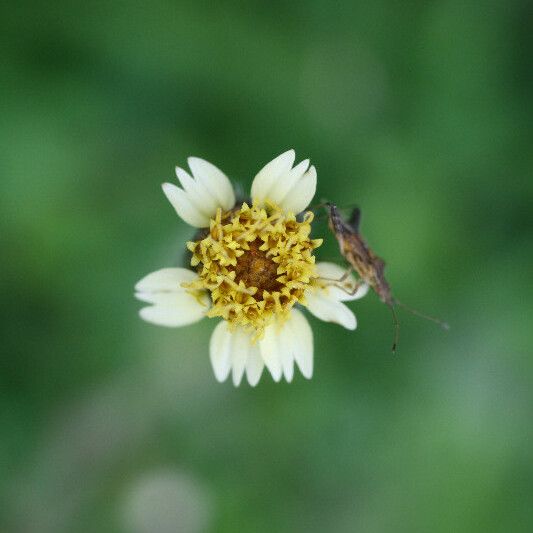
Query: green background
point(419, 112)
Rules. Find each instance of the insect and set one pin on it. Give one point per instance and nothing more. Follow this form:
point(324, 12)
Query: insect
point(369, 267)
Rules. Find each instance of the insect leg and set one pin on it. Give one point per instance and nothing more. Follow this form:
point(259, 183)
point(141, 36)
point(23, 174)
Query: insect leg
point(396, 325)
point(341, 279)
point(355, 219)
point(352, 290)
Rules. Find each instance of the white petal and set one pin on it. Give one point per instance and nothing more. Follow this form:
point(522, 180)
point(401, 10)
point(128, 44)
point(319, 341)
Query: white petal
point(287, 363)
point(166, 279)
point(214, 180)
point(270, 351)
point(198, 194)
point(329, 309)
point(267, 176)
point(254, 365)
point(172, 305)
point(240, 348)
point(288, 346)
point(172, 309)
point(287, 181)
point(184, 207)
point(302, 342)
point(331, 271)
point(343, 296)
point(300, 196)
point(220, 351)
point(173, 299)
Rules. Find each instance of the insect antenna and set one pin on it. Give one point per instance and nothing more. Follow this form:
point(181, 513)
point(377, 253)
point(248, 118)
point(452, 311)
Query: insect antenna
point(441, 323)
point(315, 208)
point(396, 325)
point(325, 204)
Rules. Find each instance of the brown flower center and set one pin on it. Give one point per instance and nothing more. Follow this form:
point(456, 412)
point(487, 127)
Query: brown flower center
point(256, 269)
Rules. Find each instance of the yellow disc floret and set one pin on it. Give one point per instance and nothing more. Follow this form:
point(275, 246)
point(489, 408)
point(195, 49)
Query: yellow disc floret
point(256, 262)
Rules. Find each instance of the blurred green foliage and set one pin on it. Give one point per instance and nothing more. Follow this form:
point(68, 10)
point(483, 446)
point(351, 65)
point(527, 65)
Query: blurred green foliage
point(419, 112)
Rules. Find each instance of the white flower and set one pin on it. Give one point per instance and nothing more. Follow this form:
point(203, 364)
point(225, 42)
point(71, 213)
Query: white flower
point(253, 264)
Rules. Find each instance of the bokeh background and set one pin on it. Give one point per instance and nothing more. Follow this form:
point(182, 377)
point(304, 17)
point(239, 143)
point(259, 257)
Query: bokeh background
point(420, 112)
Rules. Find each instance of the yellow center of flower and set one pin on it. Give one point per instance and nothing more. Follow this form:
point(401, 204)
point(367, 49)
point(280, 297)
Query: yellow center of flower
point(256, 262)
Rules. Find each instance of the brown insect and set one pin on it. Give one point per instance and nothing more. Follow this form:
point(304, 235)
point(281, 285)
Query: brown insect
point(369, 267)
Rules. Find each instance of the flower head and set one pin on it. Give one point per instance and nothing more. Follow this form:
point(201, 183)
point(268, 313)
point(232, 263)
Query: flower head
point(257, 263)
point(252, 263)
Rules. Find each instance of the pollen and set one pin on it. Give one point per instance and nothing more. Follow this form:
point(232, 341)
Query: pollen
point(256, 262)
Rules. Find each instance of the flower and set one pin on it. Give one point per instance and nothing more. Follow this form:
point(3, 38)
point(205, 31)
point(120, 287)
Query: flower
point(253, 263)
